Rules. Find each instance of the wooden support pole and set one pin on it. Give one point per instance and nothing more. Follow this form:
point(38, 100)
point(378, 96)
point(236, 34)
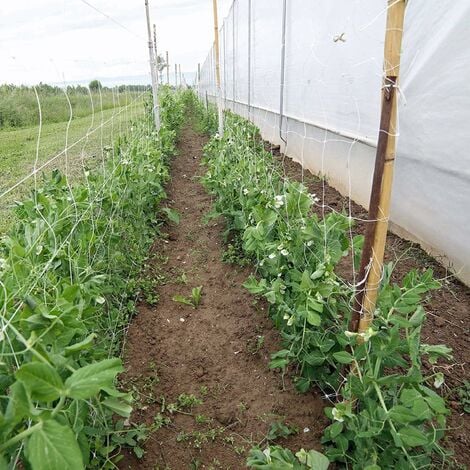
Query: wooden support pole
point(156, 108)
point(217, 68)
point(370, 273)
point(180, 74)
point(176, 75)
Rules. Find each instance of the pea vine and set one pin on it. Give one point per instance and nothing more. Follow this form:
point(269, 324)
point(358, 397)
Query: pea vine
point(386, 412)
point(68, 277)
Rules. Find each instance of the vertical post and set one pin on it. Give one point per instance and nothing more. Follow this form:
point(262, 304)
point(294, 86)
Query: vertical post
point(156, 109)
point(217, 69)
point(176, 75)
point(167, 69)
point(156, 52)
point(180, 74)
point(249, 59)
point(199, 79)
point(225, 66)
point(233, 55)
point(379, 205)
point(283, 70)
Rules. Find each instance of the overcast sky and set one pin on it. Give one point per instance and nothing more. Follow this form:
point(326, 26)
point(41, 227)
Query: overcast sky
point(58, 41)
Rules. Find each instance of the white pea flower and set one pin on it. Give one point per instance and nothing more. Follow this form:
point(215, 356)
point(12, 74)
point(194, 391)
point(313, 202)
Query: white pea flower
point(280, 247)
point(261, 263)
point(290, 322)
point(284, 252)
point(337, 415)
point(279, 201)
point(245, 191)
point(310, 243)
point(350, 334)
point(272, 256)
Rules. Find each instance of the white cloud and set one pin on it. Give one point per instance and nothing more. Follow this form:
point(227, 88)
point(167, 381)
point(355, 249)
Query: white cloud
point(66, 40)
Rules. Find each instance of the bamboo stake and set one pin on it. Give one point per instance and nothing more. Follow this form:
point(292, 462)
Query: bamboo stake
point(379, 206)
point(217, 68)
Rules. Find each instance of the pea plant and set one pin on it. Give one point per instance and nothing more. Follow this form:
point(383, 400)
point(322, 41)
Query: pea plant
point(387, 412)
point(68, 271)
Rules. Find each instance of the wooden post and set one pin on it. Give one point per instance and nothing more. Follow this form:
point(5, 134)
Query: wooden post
point(217, 69)
point(180, 74)
point(156, 108)
point(167, 69)
point(370, 273)
point(176, 75)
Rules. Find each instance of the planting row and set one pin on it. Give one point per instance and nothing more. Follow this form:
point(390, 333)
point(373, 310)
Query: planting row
point(385, 412)
point(69, 274)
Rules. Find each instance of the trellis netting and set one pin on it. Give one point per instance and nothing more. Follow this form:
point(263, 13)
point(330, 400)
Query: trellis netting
point(322, 102)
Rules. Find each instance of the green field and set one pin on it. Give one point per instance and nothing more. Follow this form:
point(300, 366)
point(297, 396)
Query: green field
point(20, 147)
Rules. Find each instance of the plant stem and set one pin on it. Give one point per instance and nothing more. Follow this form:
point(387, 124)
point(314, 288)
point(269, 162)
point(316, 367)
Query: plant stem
point(19, 437)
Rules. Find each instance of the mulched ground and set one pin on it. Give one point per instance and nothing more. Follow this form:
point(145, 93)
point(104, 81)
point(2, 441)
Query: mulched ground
point(215, 352)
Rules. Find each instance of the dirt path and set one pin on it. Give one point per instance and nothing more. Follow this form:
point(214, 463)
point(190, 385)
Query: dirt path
point(218, 352)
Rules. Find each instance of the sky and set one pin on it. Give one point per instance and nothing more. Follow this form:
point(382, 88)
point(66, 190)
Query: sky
point(67, 41)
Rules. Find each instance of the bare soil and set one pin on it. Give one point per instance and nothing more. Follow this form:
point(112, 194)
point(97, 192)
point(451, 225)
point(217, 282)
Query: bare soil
point(212, 352)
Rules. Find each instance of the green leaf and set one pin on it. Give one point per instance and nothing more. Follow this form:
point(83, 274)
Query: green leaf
point(85, 344)
point(413, 437)
point(402, 414)
point(343, 357)
point(335, 429)
point(172, 215)
point(182, 300)
point(41, 380)
point(118, 406)
point(313, 460)
point(53, 446)
point(19, 404)
point(89, 380)
point(313, 318)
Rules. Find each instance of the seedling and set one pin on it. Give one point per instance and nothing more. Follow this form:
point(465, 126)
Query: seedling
point(193, 301)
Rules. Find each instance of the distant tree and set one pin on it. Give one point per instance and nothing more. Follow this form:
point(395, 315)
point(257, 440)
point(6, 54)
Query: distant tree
point(95, 85)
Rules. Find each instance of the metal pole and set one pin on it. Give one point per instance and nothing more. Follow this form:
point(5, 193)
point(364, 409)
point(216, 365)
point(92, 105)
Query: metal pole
point(379, 205)
point(155, 51)
point(217, 69)
point(225, 67)
point(176, 75)
point(249, 59)
point(283, 70)
point(156, 109)
point(181, 76)
point(167, 69)
point(199, 79)
point(233, 55)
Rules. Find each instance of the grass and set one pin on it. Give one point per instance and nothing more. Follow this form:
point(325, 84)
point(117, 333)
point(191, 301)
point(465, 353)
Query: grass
point(18, 150)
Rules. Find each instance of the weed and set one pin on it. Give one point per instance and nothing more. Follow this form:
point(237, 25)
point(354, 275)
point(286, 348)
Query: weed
point(255, 345)
point(464, 396)
point(195, 299)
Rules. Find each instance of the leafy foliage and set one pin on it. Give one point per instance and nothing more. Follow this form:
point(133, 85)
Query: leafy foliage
point(389, 415)
point(68, 276)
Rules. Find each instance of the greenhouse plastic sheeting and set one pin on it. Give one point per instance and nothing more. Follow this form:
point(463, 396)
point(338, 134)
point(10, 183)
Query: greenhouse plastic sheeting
point(332, 88)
